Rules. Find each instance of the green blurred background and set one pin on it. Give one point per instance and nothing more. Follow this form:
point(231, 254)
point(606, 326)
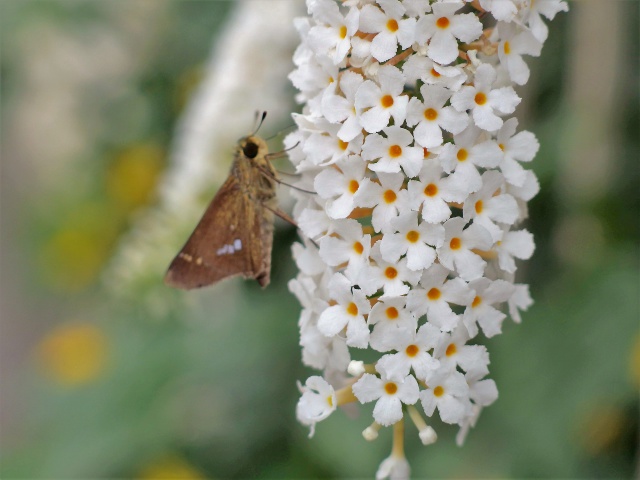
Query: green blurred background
point(99, 384)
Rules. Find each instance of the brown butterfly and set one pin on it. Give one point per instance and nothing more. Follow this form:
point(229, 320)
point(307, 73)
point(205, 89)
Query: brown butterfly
point(235, 234)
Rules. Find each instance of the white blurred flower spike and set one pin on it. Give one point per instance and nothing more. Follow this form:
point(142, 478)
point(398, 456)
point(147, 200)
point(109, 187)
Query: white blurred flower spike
point(418, 222)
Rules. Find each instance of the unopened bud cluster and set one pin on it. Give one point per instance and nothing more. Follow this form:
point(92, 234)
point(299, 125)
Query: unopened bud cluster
point(420, 171)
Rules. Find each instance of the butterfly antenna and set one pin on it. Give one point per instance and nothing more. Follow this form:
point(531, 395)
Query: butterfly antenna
point(293, 125)
point(264, 115)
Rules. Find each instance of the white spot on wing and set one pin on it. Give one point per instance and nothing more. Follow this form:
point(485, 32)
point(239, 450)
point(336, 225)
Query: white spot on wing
point(231, 248)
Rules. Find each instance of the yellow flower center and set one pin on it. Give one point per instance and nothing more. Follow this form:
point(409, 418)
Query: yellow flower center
point(480, 98)
point(455, 243)
point(395, 151)
point(413, 236)
point(430, 114)
point(387, 101)
point(389, 196)
point(392, 25)
point(412, 350)
point(352, 309)
point(433, 294)
point(431, 190)
point(390, 273)
point(392, 313)
point(443, 22)
point(391, 388)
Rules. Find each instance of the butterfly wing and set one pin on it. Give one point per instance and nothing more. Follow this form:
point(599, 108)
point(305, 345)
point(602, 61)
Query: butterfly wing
point(234, 237)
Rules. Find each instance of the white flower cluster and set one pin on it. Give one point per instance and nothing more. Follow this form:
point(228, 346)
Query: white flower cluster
point(420, 191)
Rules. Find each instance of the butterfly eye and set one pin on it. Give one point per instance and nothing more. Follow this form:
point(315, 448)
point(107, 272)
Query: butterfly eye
point(250, 150)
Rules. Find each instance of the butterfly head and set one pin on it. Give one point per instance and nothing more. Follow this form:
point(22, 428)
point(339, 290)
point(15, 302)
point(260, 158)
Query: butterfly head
point(253, 147)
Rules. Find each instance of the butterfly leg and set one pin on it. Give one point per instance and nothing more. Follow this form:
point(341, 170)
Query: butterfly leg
point(270, 176)
point(284, 216)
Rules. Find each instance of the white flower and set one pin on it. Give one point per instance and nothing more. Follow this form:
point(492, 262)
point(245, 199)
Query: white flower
point(376, 104)
point(394, 467)
point(390, 395)
point(535, 9)
point(481, 310)
point(341, 108)
point(412, 353)
point(351, 306)
point(389, 26)
point(443, 27)
point(314, 222)
point(324, 147)
point(423, 68)
point(322, 352)
point(307, 259)
point(393, 152)
point(467, 424)
point(434, 294)
point(516, 147)
point(391, 278)
point(487, 206)
point(348, 244)
point(317, 402)
point(452, 351)
point(432, 191)
point(515, 42)
point(416, 241)
point(333, 36)
point(340, 186)
point(431, 116)
point(504, 10)
point(519, 300)
point(388, 316)
point(484, 101)
point(447, 390)
point(518, 244)
point(416, 8)
point(456, 252)
point(388, 198)
point(465, 155)
point(483, 393)
point(528, 190)
point(313, 77)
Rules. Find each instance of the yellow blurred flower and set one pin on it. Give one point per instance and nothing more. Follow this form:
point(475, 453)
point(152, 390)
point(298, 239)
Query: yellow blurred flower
point(601, 427)
point(169, 467)
point(74, 255)
point(133, 175)
point(74, 354)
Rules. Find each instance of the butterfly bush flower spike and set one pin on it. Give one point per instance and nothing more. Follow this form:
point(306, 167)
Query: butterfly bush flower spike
point(409, 137)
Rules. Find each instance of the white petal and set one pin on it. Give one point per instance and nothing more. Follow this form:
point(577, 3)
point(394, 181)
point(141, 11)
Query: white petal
point(388, 410)
point(384, 46)
point(368, 388)
point(443, 47)
point(332, 320)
